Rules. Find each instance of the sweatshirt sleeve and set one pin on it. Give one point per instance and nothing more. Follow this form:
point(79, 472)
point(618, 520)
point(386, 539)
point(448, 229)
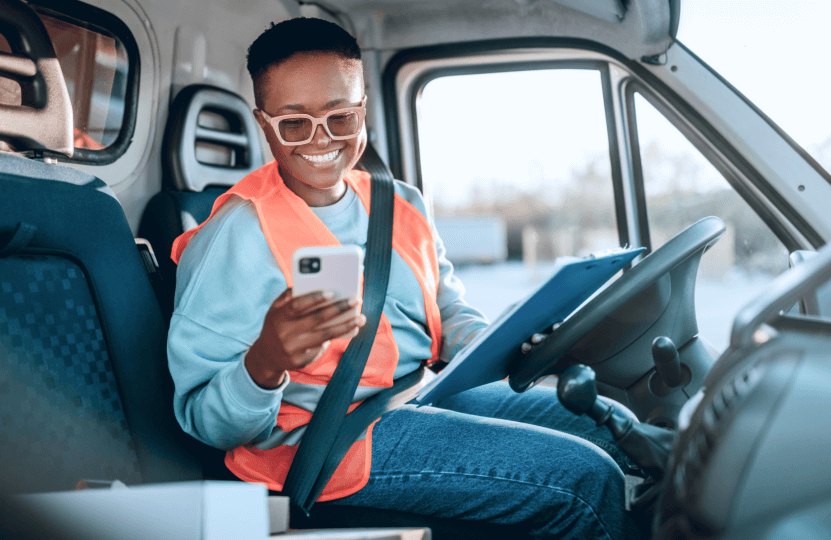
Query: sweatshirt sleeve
point(226, 280)
point(460, 322)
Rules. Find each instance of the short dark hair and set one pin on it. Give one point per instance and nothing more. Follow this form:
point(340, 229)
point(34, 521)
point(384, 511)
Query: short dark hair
point(282, 40)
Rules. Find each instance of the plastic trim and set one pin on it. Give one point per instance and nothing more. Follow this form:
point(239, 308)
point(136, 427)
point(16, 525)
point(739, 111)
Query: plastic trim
point(637, 169)
point(615, 159)
point(181, 169)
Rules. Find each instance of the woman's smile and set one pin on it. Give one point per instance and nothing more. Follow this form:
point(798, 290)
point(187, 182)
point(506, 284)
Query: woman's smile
point(323, 159)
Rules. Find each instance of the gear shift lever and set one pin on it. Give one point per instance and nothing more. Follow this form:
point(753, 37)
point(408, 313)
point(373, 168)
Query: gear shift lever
point(647, 445)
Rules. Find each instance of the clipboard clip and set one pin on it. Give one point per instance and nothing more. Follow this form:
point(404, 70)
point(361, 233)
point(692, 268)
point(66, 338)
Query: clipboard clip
point(604, 253)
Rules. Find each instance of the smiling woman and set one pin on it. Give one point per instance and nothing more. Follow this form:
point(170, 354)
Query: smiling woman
point(232, 345)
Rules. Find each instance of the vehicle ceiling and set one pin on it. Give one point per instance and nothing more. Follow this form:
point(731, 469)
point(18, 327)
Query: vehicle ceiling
point(635, 28)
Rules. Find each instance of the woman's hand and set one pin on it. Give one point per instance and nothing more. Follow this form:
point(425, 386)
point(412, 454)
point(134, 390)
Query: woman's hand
point(536, 339)
point(297, 331)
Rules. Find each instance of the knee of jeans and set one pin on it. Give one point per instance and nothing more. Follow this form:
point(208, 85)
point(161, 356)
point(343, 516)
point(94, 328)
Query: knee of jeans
point(600, 475)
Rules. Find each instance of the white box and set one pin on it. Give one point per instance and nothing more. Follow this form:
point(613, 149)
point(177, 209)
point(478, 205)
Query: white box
point(175, 511)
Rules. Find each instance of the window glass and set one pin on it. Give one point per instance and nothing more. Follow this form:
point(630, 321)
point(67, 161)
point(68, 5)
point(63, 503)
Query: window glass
point(517, 165)
point(774, 52)
point(682, 187)
point(94, 64)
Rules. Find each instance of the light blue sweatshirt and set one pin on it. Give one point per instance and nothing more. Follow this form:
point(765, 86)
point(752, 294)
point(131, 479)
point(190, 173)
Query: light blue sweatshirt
point(226, 280)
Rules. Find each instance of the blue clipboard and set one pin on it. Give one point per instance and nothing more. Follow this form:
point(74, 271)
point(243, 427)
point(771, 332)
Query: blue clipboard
point(488, 357)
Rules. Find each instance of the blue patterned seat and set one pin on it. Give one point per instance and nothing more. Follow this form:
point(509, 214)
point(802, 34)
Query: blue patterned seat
point(84, 389)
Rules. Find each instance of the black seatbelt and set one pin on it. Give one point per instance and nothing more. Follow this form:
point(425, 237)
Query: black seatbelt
point(402, 391)
point(373, 164)
point(323, 429)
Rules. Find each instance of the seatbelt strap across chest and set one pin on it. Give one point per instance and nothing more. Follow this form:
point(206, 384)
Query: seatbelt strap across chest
point(329, 415)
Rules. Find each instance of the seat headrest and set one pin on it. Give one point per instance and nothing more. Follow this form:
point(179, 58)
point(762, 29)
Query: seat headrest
point(43, 120)
point(211, 139)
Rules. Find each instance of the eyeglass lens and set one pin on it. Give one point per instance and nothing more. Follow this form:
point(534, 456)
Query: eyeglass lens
point(299, 129)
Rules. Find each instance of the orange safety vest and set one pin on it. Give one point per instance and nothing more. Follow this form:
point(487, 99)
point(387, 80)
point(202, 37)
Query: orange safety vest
point(288, 223)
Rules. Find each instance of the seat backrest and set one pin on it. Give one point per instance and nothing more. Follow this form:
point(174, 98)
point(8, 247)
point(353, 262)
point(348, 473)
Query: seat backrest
point(211, 143)
point(211, 139)
point(39, 125)
point(84, 387)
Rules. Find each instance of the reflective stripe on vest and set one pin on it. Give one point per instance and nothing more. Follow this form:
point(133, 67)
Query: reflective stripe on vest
point(288, 223)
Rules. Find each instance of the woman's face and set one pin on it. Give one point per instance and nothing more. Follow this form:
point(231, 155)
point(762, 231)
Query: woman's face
point(314, 84)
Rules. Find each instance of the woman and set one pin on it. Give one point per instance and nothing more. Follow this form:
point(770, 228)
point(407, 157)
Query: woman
point(249, 368)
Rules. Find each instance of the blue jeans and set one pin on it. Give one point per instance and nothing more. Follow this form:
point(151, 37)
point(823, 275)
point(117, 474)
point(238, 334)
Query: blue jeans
point(494, 455)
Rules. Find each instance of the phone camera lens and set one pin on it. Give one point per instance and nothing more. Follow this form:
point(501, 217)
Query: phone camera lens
point(309, 265)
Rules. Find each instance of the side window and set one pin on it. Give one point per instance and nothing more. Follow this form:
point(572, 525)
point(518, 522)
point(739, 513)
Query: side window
point(99, 65)
point(681, 187)
point(94, 64)
point(517, 165)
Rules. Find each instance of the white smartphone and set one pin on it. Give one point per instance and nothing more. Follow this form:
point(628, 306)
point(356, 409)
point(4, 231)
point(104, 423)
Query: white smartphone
point(333, 268)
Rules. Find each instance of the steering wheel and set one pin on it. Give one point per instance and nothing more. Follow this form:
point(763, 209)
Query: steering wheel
point(617, 326)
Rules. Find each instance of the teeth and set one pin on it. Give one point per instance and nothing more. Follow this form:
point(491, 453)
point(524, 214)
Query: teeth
point(322, 158)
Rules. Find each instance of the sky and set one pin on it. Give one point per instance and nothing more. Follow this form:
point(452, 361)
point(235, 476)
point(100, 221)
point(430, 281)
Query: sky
point(773, 51)
point(518, 127)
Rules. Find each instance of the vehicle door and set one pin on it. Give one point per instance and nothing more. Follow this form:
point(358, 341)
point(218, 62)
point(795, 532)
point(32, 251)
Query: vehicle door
point(557, 146)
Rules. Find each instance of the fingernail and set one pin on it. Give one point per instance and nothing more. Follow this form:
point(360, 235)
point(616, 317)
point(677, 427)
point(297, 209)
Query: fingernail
point(328, 295)
point(325, 345)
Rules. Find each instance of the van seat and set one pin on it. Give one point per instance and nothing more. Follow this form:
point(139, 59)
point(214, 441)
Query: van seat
point(211, 142)
point(84, 389)
point(83, 375)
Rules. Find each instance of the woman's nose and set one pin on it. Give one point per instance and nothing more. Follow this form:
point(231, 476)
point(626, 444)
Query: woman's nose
point(321, 138)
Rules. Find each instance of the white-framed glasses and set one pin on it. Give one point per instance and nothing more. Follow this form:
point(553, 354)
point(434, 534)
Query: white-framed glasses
point(297, 129)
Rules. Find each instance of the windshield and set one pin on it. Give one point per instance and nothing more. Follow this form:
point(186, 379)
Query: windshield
point(774, 52)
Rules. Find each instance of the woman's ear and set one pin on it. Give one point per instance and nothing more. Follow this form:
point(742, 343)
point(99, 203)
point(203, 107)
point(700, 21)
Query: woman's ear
point(362, 141)
point(258, 114)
